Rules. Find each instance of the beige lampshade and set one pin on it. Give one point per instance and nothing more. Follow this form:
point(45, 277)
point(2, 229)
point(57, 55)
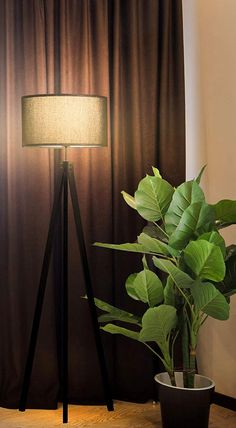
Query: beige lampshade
point(64, 120)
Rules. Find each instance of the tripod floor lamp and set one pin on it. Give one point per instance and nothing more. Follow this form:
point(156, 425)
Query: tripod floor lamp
point(64, 121)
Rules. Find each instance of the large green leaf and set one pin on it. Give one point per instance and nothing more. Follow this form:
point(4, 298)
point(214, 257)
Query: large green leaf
point(157, 324)
point(186, 194)
point(194, 221)
point(145, 245)
point(215, 238)
point(153, 197)
point(115, 329)
point(205, 260)
point(115, 314)
point(148, 287)
point(225, 212)
point(209, 300)
point(180, 278)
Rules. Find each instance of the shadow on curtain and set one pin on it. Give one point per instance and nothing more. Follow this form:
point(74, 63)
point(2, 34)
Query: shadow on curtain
point(130, 51)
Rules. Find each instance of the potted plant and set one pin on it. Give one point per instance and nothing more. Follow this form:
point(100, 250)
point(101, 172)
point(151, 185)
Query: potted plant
point(187, 276)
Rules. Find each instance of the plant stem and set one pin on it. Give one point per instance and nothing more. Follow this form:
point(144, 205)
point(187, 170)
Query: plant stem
point(154, 352)
point(185, 298)
point(172, 349)
point(167, 367)
point(163, 231)
point(192, 367)
point(172, 378)
point(204, 319)
point(185, 351)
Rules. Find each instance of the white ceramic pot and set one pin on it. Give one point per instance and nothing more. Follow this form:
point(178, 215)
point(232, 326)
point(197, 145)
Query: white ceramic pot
point(184, 407)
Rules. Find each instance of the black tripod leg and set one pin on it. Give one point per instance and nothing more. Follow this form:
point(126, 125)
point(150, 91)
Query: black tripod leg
point(40, 295)
point(89, 290)
point(64, 298)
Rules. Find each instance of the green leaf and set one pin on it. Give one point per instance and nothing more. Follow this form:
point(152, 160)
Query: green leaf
point(119, 315)
point(193, 221)
point(198, 178)
point(215, 238)
point(115, 314)
point(180, 278)
point(129, 199)
point(210, 301)
point(153, 245)
point(205, 260)
point(153, 197)
point(169, 292)
point(129, 285)
point(185, 195)
point(131, 247)
point(157, 324)
point(225, 212)
point(146, 245)
point(156, 172)
point(115, 329)
point(148, 287)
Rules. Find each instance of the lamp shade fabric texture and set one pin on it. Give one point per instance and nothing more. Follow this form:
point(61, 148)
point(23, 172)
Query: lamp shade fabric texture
point(64, 120)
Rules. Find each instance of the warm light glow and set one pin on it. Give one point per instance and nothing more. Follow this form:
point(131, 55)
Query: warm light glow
point(64, 120)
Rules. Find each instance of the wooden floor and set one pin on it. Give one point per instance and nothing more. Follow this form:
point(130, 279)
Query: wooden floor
point(126, 415)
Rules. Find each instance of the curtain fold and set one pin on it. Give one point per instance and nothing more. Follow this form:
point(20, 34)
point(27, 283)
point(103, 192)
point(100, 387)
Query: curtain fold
point(25, 200)
point(170, 94)
point(131, 52)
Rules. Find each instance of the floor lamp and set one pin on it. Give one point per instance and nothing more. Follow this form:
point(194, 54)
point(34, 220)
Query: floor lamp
point(64, 121)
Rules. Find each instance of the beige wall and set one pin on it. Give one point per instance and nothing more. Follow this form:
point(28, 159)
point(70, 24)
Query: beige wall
point(210, 73)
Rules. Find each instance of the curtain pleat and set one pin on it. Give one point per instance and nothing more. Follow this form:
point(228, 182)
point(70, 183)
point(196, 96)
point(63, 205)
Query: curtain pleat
point(134, 36)
point(170, 94)
point(26, 192)
point(131, 52)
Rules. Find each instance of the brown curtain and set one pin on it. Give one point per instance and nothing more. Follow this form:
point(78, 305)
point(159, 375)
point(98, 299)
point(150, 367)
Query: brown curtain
point(130, 51)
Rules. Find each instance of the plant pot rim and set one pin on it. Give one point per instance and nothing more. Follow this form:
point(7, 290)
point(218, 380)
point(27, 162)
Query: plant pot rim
point(210, 386)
